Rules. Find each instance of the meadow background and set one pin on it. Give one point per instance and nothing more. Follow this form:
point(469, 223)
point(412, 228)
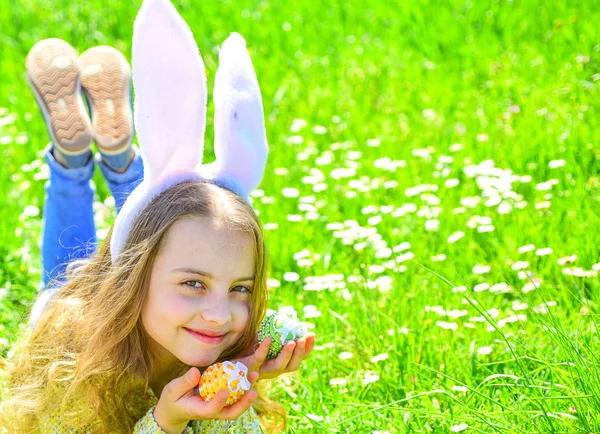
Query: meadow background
point(431, 200)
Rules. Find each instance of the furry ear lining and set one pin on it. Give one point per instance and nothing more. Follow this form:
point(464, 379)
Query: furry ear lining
point(170, 91)
point(241, 146)
point(170, 110)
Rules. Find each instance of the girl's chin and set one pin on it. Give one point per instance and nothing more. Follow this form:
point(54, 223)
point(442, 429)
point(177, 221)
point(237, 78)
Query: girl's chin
point(200, 362)
point(202, 358)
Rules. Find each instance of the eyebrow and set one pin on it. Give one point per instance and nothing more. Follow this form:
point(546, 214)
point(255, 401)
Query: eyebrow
point(206, 274)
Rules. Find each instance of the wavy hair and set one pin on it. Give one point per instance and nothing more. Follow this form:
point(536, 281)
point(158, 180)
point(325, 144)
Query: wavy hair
point(90, 346)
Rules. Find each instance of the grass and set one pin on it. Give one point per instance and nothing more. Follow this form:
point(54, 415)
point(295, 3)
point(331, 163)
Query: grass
point(490, 112)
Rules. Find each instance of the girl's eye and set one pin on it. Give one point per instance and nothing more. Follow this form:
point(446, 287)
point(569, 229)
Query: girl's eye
point(193, 284)
point(242, 289)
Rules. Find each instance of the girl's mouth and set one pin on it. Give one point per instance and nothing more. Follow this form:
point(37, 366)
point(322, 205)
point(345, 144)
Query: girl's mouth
point(205, 338)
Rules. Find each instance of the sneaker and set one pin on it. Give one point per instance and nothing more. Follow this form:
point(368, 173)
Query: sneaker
point(53, 75)
point(106, 83)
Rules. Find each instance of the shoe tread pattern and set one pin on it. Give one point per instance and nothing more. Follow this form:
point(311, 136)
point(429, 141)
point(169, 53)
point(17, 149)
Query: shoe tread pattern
point(54, 76)
point(106, 78)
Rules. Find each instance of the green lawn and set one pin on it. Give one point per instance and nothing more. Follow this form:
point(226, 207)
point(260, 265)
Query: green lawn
point(431, 144)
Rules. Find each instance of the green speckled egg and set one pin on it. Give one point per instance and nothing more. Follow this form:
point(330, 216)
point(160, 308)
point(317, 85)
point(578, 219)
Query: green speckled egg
point(282, 329)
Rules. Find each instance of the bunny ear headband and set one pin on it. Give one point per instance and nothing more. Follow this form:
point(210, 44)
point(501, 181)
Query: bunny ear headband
point(170, 110)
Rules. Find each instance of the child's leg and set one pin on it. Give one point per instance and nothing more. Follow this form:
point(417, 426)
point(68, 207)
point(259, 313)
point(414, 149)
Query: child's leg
point(122, 184)
point(68, 227)
point(68, 230)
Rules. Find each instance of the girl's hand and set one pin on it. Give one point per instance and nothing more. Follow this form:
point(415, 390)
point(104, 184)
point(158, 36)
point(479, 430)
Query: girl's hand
point(180, 402)
point(289, 360)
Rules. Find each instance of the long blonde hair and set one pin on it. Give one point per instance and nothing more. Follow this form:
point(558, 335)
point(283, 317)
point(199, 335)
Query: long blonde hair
point(90, 341)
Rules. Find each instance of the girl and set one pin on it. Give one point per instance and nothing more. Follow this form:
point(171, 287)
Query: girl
point(179, 282)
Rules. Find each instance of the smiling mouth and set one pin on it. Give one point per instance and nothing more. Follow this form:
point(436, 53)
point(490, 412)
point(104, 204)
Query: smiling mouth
point(216, 339)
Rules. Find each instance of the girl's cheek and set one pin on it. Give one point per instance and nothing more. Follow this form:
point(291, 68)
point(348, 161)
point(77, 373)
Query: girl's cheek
point(240, 312)
point(177, 305)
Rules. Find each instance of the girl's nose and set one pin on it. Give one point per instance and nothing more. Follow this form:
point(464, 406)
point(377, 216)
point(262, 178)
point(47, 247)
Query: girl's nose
point(216, 311)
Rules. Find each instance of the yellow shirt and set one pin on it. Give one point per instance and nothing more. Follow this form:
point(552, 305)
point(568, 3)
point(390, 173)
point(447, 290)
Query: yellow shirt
point(246, 423)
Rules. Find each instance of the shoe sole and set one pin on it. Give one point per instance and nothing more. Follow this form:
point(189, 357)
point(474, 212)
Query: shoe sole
point(106, 82)
point(53, 75)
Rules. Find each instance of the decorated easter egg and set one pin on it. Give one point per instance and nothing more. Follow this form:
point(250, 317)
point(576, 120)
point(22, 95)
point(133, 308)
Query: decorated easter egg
point(224, 376)
point(281, 328)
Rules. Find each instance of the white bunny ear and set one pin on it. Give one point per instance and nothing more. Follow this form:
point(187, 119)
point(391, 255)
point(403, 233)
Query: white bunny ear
point(169, 111)
point(240, 139)
point(170, 91)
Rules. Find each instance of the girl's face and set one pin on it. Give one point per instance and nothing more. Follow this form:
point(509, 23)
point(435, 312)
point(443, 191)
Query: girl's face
point(198, 302)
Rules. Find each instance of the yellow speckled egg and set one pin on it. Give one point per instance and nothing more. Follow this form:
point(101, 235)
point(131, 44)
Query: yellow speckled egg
point(224, 376)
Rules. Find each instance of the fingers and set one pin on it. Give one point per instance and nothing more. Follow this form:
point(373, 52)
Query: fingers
point(182, 385)
point(310, 343)
point(260, 355)
point(255, 360)
point(216, 405)
point(234, 411)
point(195, 407)
point(286, 355)
point(277, 366)
point(252, 377)
point(288, 360)
point(297, 356)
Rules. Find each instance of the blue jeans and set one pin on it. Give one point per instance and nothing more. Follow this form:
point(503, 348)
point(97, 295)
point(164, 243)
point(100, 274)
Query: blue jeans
point(68, 229)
